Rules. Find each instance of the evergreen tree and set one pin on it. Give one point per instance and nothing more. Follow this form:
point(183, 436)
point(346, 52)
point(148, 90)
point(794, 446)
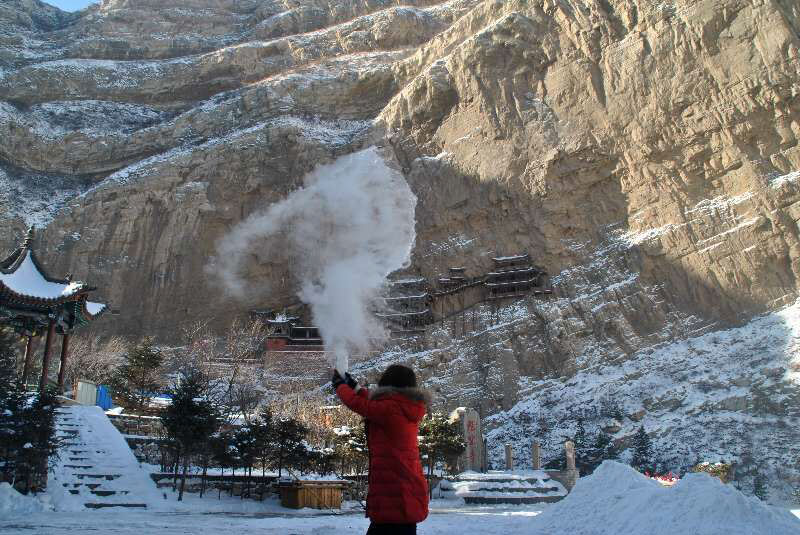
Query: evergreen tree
point(288, 444)
point(580, 440)
point(40, 448)
point(140, 376)
point(440, 440)
point(27, 426)
point(190, 421)
point(245, 444)
point(350, 446)
point(12, 403)
point(222, 453)
point(642, 452)
point(602, 449)
point(760, 487)
point(261, 429)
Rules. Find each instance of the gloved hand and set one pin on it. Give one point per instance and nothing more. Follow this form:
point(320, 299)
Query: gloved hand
point(348, 380)
point(337, 379)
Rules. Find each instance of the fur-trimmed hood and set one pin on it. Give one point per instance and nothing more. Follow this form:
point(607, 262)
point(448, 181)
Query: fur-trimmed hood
point(412, 393)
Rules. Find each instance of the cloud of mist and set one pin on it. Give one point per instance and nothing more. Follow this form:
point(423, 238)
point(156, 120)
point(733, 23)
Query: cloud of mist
point(345, 231)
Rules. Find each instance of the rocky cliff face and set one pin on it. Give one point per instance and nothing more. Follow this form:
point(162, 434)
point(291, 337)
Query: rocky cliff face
point(645, 153)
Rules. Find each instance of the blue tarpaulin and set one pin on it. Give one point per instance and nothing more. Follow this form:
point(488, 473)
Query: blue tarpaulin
point(103, 398)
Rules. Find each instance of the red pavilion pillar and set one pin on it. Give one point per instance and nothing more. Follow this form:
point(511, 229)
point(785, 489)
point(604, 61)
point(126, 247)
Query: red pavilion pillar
point(26, 370)
point(63, 367)
point(48, 350)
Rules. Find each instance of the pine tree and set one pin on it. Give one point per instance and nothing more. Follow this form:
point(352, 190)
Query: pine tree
point(602, 449)
point(642, 452)
point(288, 444)
point(190, 421)
point(140, 376)
point(582, 452)
point(28, 440)
point(350, 446)
point(440, 440)
point(760, 487)
point(245, 444)
point(261, 429)
point(796, 494)
point(222, 453)
point(40, 448)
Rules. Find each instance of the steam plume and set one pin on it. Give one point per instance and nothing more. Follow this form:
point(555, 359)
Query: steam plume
point(346, 230)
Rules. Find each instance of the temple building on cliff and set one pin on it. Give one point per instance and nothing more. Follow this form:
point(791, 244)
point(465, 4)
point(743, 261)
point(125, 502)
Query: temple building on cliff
point(515, 276)
point(407, 307)
point(35, 304)
point(288, 333)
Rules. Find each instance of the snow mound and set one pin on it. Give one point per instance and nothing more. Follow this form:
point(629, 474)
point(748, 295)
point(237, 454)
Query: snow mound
point(12, 502)
point(616, 499)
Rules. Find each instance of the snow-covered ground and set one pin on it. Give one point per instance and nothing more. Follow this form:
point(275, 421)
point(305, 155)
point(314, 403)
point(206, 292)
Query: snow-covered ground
point(478, 521)
point(614, 500)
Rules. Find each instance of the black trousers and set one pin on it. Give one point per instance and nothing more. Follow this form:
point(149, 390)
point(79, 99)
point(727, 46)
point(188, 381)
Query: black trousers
point(392, 529)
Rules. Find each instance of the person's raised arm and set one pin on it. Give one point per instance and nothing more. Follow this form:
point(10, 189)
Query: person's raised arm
point(357, 399)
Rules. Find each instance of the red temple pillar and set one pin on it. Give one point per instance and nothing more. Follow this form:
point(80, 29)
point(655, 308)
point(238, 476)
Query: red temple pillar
point(63, 367)
point(48, 349)
point(26, 370)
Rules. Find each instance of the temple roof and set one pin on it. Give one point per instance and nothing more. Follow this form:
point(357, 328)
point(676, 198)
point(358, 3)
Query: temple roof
point(509, 259)
point(25, 286)
point(25, 279)
point(95, 309)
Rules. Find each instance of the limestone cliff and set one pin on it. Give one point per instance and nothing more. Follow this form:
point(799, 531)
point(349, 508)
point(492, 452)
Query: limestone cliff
point(645, 153)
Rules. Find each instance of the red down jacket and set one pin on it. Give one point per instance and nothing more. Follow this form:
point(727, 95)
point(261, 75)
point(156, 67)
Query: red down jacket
point(398, 492)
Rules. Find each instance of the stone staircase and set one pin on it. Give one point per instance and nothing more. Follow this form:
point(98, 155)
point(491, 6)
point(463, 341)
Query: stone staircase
point(95, 464)
point(519, 487)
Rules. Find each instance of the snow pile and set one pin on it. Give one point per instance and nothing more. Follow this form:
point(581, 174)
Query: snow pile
point(12, 502)
point(616, 499)
point(350, 227)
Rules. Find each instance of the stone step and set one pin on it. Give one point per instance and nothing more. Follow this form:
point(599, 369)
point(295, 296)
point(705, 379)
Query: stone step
point(78, 458)
point(79, 466)
point(475, 500)
point(540, 490)
point(90, 486)
point(102, 493)
point(106, 505)
point(107, 477)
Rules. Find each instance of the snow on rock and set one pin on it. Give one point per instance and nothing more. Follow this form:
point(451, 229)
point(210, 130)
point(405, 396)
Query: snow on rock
point(727, 394)
point(14, 503)
point(778, 181)
point(36, 197)
point(616, 499)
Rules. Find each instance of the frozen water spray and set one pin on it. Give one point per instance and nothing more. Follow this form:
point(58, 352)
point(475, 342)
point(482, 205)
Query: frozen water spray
point(346, 230)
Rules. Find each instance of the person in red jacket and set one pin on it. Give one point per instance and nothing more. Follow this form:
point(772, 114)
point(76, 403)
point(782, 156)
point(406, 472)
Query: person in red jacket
point(398, 492)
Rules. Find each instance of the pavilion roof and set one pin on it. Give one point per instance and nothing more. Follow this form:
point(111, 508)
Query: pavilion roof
point(24, 283)
point(23, 278)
